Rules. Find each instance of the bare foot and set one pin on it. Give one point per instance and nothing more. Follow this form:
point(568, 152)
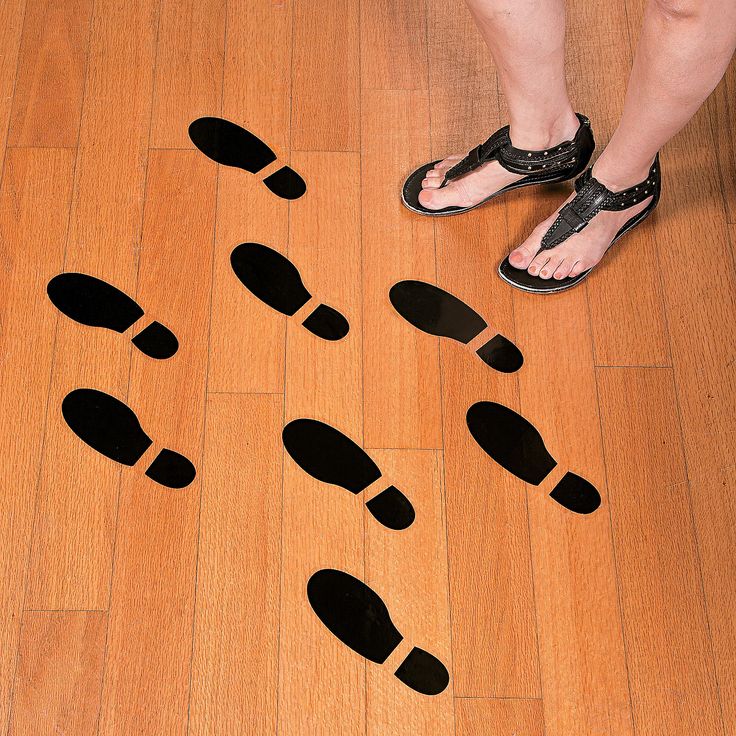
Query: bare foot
point(581, 251)
point(478, 185)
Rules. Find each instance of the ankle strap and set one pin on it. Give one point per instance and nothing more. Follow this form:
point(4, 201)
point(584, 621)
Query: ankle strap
point(592, 197)
point(520, 161)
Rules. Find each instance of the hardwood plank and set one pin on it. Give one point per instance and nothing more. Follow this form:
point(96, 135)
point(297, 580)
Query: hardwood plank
point(189, 61)
point(699, 303)
point(401, 364)
point(47, 104)
point(410, 570)
point(11, 30)
point(669, 653)
point(248, 338)
point(714, 510)
point(34, 209)
point(325, 76)
point(149, 643)
point(480, 716)
point(393, 40)
point(627, 312)
point(722, 112)
point(57, 686)
point(493, 626)
point(72, 546)
point(235, 666)
point(462, 80)
point(322, 682)
point(583, 668)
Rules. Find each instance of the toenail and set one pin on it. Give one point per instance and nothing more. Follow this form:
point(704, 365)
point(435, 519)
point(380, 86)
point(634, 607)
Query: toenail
point(544, 273)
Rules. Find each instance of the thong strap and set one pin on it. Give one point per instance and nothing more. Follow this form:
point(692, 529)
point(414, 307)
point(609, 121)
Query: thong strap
point(592, 197)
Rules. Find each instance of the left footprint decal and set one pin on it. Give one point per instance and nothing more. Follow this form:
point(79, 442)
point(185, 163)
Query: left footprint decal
point(440, 313)
point(329, 456)
point(230, 145)
point(358, 617)
point(275, 280)
point(93, 302)
point(110, 427)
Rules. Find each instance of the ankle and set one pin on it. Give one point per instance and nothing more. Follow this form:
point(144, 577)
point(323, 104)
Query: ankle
point(539, 134)
point(617, 176)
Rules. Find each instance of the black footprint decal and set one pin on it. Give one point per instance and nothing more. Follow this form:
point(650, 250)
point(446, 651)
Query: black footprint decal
point(96, 303)
point(359, 619)
point(111, 428)
point(440, 313)
point(230, 145)
point(517, 446)
point(331, 457)
point(274, 279)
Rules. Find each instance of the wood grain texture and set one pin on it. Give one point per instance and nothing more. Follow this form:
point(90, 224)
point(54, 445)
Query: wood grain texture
point(322, 682)
point(722, 111)
point(12, 14)
point(34, 210)
point(47, 104)
point(409, 568)
point(189, 59)
point(394, 40)
point(147, 670)
point(57, 687)
point(235, 665)
point(714, 511)
point(401, 364)
point(481, 716)
point(247, 340)
point(75, 519)
point(673, 684)
point(582, 663)
point(325, 76)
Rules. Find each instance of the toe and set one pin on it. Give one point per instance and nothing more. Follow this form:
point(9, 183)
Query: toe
point(431, 182)
point(549, 268)
point(563, 270)
point(578, 268)
point(538, 263)
point(522, 256)
point(437, 199)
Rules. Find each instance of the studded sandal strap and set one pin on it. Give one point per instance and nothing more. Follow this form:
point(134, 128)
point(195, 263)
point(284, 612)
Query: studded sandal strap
point(519, 161)
point(591, 198)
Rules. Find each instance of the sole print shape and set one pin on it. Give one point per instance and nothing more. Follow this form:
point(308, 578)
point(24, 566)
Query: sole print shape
point(437, 312)
point(517, 446)
point(230, 145)
point(276, 281)
point(107, 425)
point(328, 455)
point(357, 616)
point(95, 303)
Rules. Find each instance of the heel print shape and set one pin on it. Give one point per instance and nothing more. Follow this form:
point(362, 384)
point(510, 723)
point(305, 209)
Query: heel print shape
point(110, 427)
point(437, 312)
point(230, 145)
point(358, 617)
point(275, 280)
point(95, 303)
point(329, 456)
point(516, 445)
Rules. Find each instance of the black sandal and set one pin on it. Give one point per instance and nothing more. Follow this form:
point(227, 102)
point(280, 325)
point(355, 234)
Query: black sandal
point(560, 163)
point(592, 197)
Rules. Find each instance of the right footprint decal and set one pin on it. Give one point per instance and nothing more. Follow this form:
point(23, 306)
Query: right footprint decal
point(440, 313)
point(93, 302)
point(517, 446)
point(110, 427)
point(230, 145)
point(275, 280)
point(331, 457)
point(357, 616)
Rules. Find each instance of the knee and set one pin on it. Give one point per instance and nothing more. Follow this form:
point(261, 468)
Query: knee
point(677, 9)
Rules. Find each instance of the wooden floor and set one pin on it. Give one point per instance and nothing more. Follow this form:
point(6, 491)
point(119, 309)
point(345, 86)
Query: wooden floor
point(126, 608)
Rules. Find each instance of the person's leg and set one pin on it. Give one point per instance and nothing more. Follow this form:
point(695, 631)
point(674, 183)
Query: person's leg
point(526, 39)
point(683, 51)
